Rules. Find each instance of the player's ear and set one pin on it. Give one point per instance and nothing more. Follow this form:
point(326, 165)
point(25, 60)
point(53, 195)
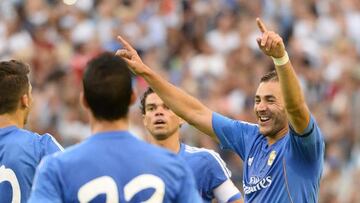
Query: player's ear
point(83, 101)
point(133, 97)
point(144, 120)
point(25, 101)
point(181, 122)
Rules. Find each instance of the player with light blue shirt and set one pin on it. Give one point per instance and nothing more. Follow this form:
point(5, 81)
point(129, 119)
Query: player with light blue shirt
point(212, 176)
point(20, 150)
point(112, 165)
point(283, 153)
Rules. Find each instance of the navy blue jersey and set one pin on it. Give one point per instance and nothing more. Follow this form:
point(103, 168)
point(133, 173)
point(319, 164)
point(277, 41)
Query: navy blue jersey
point(210, 172)
point(286, 171)
point(20, 154)
point(116, 167)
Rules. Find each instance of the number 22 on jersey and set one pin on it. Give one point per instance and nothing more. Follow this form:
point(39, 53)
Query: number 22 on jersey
point(106, 185)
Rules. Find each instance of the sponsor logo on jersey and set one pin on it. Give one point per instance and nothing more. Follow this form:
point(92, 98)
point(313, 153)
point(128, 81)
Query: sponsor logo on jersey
point(258, 184)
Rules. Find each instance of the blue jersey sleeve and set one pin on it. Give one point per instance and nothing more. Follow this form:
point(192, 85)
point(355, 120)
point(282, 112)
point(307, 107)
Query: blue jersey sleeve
point(188, 191)
point(310, 144)
point(49, 145)
point(233, 134)
point(217, 173)
point(46, 186)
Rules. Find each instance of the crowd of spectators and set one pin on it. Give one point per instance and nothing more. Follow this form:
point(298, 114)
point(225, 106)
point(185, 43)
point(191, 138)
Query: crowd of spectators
point(206, 47)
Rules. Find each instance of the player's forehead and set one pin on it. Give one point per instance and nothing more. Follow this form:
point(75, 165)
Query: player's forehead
point(153, 99)
point(270, 88)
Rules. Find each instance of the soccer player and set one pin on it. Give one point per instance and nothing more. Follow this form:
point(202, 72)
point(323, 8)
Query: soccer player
point(112, 164)
point(20, 150)
point(212, 176)
point(283, 153)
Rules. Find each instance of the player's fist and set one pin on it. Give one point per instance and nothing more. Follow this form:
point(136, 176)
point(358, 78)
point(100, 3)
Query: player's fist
point(270, 42)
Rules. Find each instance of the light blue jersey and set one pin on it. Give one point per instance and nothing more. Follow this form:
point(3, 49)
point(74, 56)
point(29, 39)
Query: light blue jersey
point(288, 171)
point(117, 167)
point(210, 172)
point(20, 154)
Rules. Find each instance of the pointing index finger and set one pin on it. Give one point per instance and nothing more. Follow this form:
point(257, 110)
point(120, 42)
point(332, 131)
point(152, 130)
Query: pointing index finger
point(124, 43)
point(261, 25)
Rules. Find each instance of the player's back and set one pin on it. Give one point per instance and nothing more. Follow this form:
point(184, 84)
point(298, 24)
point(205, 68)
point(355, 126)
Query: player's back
point(116, 166)
point(20, 153)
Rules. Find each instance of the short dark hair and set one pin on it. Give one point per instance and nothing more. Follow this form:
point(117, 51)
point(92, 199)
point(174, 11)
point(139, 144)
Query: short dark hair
point(107, 87)
point(143, 99)
point(14, 83)
point(270, 76)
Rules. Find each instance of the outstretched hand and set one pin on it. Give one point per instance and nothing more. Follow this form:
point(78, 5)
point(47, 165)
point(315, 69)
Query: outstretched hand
point(132, 58)
point(270, 42)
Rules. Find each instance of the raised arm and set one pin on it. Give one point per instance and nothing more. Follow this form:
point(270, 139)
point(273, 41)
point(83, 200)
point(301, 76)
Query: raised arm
point(297, 111)
point(181, 103)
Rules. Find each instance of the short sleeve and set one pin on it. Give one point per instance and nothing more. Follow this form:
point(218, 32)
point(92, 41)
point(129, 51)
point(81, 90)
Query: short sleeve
point(49, 145)
point(217, 172)
point(311, 143)
point(46, 186)
point(219, 183)
point(233, 134)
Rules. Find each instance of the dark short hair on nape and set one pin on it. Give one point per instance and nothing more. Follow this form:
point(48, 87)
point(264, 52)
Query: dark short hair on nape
point(14, 83)
point(143, 99)
point(270, 76)
point(107, 87)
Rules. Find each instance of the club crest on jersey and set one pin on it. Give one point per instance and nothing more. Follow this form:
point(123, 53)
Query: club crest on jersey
point(272, 157)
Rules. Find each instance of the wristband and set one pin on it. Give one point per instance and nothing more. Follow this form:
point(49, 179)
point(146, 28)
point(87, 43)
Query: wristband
point(281, 61)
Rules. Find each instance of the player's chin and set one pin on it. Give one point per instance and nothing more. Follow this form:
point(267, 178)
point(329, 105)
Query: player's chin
point(160, 135)
point(265, 130)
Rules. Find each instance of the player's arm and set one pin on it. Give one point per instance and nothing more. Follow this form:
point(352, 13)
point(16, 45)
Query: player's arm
point(227, 192)
point(45, 187)
point(49, 145)
point(297, 111)
point(217, 179)
point(181, 103)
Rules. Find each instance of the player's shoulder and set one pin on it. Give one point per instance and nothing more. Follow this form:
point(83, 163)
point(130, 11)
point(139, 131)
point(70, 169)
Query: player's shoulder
point(203, 153)
point(158, 151)
point(162, 157)
point(26, 133)
point(207, 157)
point(70, 153)
point(27, 136)
point(33, 135)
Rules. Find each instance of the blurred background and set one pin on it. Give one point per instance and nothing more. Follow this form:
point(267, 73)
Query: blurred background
point(206, 47)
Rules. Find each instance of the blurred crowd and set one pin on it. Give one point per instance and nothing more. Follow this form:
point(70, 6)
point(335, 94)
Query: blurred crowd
point(206, 47)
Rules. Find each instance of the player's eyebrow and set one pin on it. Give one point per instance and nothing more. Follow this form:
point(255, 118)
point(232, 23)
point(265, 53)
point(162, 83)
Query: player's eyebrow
point(266, 97)
point(269, 97)
point(150, 104)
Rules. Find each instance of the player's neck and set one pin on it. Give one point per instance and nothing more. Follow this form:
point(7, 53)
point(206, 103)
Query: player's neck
point(172, 143)
point(7, 120)
point(273, 139)
point(106, 126)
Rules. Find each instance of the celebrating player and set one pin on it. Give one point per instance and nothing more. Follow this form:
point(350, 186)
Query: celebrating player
point(112, 164)
point(20, 150)
point(283, 153)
